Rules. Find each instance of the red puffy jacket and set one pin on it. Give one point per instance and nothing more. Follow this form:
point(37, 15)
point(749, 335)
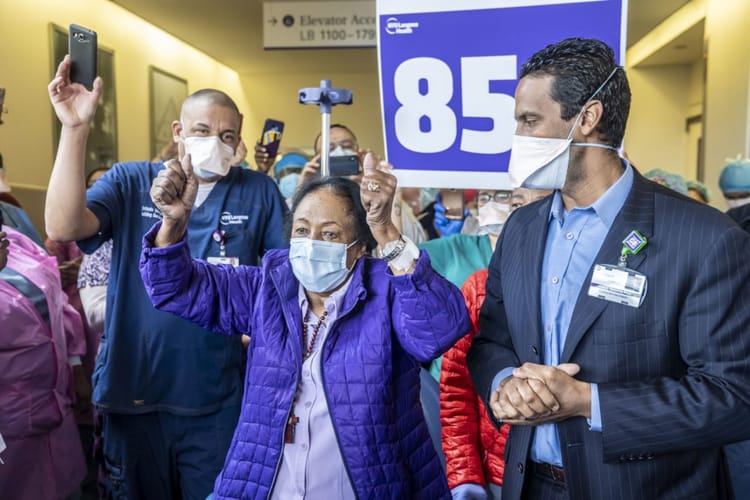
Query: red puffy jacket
point(472, 445)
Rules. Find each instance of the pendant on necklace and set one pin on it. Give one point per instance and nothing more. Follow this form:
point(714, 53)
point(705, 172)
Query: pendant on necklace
point(291, 425)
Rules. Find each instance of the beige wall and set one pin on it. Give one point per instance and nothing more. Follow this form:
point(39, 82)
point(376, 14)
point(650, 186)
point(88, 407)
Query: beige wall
point(718, 89)
point(727, 120)
point(655, 135)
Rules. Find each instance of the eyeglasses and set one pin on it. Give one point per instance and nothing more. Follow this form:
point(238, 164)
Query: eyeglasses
point(499, 197)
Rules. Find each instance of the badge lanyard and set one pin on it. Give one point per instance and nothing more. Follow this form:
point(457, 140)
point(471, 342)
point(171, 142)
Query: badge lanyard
point(619, 284)
point(219, 236)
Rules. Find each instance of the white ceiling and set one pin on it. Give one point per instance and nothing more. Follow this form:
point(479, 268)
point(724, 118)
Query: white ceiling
point(231, 31)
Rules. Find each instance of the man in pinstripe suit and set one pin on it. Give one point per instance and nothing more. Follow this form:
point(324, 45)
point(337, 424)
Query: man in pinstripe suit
point(614, 335)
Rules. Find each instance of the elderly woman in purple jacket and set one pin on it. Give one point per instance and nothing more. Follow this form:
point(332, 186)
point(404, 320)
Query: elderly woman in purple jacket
point(331, 407)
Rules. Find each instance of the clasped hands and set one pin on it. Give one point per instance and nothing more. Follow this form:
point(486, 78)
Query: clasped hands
point(538, 394)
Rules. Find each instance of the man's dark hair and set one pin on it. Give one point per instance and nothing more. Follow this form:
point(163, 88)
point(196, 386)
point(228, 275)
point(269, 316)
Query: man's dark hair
point(335, 125)
point(216, 97)
point(346, 190)
point(579, 66)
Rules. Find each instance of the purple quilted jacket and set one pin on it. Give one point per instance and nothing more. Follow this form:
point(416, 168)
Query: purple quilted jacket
point(387, 326)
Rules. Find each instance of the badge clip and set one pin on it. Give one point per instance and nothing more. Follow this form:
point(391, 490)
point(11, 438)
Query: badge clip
point(631, 245)
point(218, 236)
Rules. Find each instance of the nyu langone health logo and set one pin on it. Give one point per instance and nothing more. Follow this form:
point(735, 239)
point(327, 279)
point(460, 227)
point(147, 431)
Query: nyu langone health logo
point(227, 218)
point(148, 212)
point(394, 27)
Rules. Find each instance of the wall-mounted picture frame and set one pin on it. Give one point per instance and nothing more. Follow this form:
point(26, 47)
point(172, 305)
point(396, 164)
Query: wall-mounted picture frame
point(167, 91)
point(101, 149)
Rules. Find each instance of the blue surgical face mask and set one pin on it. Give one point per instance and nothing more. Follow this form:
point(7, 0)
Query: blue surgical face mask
point(318, 265)
point(288, 185)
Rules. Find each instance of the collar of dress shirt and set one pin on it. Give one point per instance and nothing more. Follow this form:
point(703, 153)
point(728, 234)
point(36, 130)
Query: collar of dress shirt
point(607, 206)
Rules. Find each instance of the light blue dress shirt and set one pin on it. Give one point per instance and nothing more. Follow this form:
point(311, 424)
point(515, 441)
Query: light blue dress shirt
point(573, 241)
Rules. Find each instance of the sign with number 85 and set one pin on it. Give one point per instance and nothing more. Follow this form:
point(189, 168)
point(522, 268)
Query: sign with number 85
point(448, 79)
point(425, 123)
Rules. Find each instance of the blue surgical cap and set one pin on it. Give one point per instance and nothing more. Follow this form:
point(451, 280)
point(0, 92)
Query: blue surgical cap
point(289, 161)
point(735, 177)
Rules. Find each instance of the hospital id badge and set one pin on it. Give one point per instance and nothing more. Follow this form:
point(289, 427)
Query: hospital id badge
point(618, 284)
point(234, 261)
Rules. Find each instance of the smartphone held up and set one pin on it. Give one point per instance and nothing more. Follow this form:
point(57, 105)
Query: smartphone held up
point(271, 136)
point(344, 166)
point(82, 47)
point(453, 201)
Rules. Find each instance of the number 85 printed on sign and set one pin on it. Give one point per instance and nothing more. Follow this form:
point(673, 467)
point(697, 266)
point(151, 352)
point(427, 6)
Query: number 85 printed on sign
point(426, 123)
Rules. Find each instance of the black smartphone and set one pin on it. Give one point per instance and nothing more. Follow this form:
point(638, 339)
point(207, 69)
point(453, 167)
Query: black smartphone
point(341, 166)
point(271, 137)
point(82, 49)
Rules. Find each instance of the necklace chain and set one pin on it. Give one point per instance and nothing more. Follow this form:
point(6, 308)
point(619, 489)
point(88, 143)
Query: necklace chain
point(307, 349)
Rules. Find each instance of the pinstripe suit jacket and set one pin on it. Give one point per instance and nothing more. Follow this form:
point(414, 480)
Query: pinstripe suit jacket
point(673, 374)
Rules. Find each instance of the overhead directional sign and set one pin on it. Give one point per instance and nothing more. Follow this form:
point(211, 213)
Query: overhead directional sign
point(318, 24)
point(448, 74)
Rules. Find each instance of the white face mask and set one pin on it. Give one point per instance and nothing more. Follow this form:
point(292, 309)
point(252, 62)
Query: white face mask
point(538, 162)
point(339, 151)
point(318, 265)
point(542, 162)
point(492, 215)
point(210, 157)
point(737, 202)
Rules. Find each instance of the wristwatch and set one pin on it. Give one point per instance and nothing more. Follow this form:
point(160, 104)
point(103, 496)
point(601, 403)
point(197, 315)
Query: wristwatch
point(400, 254)
point(393, 249)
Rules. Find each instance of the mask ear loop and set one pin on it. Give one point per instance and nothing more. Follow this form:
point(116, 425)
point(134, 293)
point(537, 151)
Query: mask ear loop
point(583, 108)
point(346, 255)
